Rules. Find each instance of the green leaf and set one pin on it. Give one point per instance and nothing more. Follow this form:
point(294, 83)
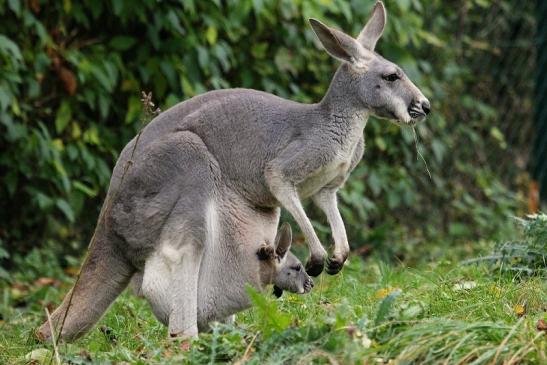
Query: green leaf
point(122, 43)
point(458, 229)
point(211, 34)
point(5, 97)
point(134, 109)
point(174, 21)
point(438, 149)
point(63, 116)
point(66, 209)
point(44, 201)
point(15, 6)
point(271, 319)
point(386, 306)
point(117, 7)
point(284, 62)
point(7, 45)
point(258, 5)
point(431, 38)
point(258, 50)
point(375, 183)
point(85, 189)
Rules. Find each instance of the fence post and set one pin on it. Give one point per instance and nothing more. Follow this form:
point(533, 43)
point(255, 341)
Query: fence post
point(539, 150)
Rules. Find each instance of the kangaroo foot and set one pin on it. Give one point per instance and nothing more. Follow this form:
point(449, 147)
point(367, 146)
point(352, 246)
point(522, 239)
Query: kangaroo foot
point(315, 266)
point(183, 342)
point(181, 336)
point(335, 264)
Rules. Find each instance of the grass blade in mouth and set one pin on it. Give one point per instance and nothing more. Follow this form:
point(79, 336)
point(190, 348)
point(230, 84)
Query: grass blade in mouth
point(419, 153)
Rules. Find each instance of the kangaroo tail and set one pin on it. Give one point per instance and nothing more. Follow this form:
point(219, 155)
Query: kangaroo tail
point(104, 275)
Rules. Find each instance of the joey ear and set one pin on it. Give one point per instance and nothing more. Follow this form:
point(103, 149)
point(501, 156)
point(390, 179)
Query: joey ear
point(339, 45)
point(283, 240)
point(374, 28)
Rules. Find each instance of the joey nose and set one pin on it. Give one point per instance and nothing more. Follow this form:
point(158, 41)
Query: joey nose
point(426, 106)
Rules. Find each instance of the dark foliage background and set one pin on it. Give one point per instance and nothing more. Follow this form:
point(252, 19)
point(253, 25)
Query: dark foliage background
point(71, 75)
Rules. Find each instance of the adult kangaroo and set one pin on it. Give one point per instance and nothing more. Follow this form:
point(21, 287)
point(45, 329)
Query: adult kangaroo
point(275, 152)
point(266, 152)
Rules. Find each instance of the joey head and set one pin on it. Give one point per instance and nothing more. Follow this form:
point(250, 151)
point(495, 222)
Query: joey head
point(281, 267)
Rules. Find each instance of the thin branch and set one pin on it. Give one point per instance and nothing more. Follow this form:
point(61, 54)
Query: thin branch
point(55, 349)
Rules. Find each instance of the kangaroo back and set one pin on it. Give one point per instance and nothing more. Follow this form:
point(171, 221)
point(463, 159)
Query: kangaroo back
point(104, 275)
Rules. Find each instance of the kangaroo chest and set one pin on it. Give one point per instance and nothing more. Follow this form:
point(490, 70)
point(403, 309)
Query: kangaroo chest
point(335, 170)
point(332, 174)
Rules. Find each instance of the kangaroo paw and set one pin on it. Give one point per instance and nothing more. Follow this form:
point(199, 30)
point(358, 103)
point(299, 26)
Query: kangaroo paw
point(277, 291)
point(335, 264)
point(308, 285)
point(314, 267)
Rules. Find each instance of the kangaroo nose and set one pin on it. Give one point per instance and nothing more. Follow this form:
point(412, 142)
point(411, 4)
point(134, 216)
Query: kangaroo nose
point(426, 106)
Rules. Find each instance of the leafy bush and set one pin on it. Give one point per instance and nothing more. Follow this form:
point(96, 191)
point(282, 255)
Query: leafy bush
point(71, 74)
point(527, 256)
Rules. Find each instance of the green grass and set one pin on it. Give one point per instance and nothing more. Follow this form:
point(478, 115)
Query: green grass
point(369, 313)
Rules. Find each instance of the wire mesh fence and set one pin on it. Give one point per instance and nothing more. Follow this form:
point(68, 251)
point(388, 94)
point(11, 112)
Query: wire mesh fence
point(504, 68)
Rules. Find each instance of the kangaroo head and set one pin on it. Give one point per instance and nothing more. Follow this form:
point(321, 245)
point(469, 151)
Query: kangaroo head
point(369, 80)
point(281, 268)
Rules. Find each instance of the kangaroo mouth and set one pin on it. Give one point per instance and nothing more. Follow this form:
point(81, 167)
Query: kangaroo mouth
point(416, 114)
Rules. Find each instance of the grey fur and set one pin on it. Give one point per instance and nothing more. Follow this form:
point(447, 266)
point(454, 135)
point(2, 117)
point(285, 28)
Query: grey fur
point(250, 153)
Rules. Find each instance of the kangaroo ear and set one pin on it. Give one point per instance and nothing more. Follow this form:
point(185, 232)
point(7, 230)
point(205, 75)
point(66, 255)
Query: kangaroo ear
point(283, 240)
point(340, 45)
point(374, 28)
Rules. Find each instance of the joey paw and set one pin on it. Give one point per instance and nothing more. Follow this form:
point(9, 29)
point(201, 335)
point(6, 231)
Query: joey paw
point(277, 291)
point(265, 252)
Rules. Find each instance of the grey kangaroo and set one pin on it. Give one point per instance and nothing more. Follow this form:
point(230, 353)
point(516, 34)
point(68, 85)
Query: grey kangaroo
point(258, 153)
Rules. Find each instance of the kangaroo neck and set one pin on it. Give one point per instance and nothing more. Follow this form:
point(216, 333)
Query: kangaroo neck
point(340, 100)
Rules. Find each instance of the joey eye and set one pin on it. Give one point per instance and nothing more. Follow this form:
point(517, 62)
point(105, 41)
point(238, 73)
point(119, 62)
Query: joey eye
point(391, 77)
point(297, 268)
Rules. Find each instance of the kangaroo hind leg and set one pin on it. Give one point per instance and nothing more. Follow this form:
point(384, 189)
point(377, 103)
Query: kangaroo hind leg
point(171, 275)
point(104, 275)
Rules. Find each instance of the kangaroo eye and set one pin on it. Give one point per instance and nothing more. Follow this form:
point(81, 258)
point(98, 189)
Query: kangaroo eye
point(391, 77)
point(297, 268)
